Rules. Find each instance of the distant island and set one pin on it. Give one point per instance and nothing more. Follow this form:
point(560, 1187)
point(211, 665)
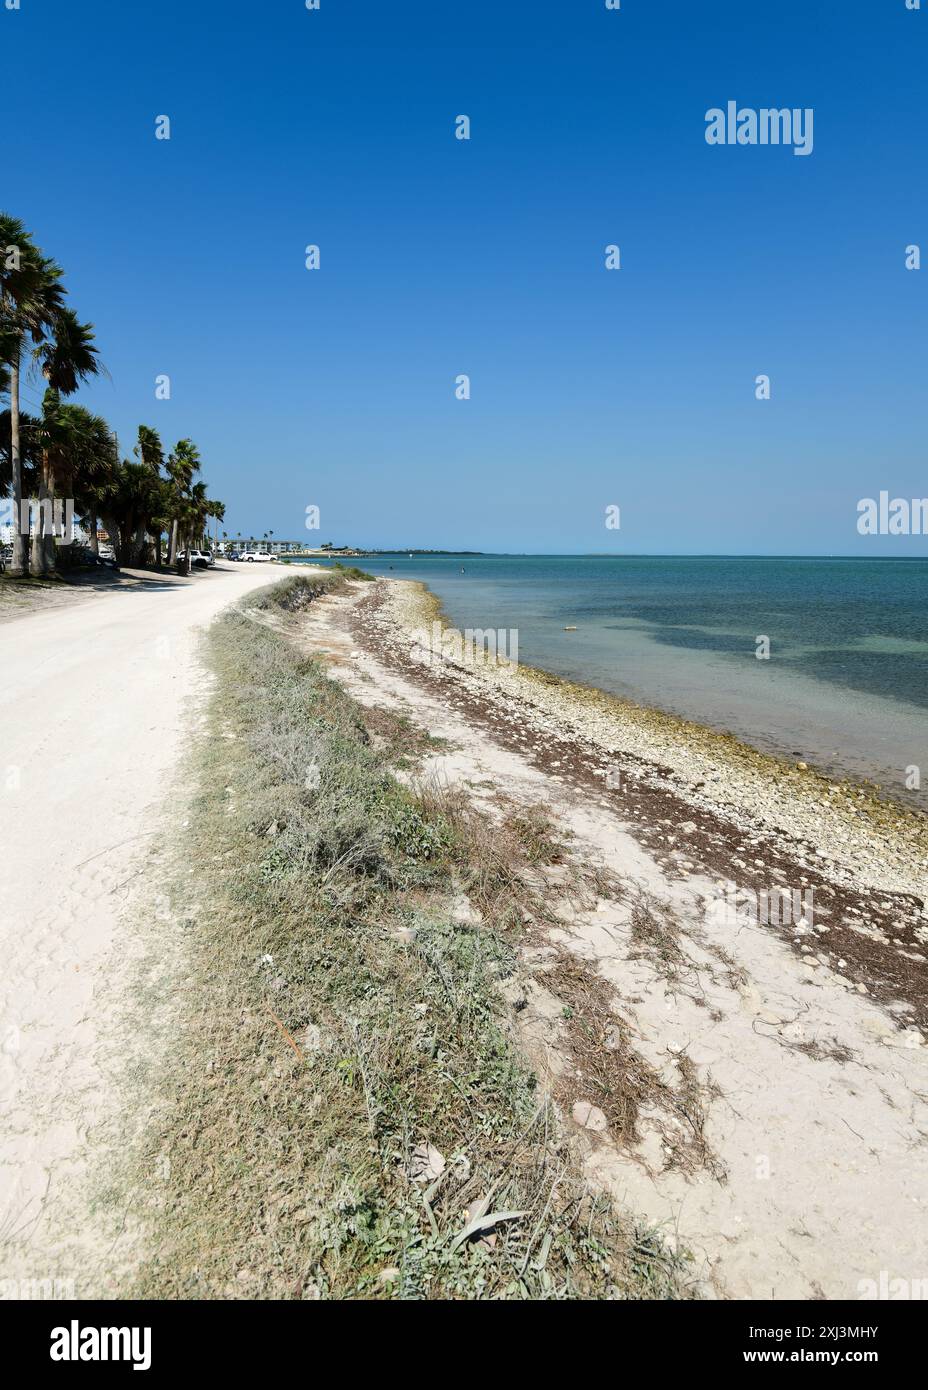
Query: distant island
point(414, 550)
point(294, 548)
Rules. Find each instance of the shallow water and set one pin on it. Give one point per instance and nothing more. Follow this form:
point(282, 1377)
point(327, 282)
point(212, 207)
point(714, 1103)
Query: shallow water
point(846, 684)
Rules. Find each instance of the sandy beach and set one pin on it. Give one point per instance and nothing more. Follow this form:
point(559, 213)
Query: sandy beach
point(751, 1085)
point(779, 1139)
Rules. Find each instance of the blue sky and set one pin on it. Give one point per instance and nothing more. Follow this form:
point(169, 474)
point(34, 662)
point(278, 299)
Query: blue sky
point(335, 387)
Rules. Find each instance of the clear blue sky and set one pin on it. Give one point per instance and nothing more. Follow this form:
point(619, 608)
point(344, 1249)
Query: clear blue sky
point(440, 257)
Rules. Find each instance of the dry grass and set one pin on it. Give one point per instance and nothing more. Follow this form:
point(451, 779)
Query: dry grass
point(401, 742)
point(521, 874)
point(500, 862)
point(336, 1018)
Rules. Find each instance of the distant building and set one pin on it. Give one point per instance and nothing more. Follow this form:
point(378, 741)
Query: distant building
point(275, 547)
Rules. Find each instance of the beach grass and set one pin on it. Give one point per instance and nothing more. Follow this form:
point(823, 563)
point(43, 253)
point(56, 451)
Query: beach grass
point(347, 1112)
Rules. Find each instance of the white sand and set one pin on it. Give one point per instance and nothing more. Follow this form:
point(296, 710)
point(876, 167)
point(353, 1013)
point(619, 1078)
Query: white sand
point(97, 698)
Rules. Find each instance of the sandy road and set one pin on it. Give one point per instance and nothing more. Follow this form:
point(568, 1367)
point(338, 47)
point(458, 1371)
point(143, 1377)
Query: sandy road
point(96, 702)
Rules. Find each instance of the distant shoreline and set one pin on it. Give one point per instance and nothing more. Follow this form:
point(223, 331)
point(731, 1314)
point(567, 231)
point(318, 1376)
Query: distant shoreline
point(860, 826)
point(842, 685)
point(594, 555)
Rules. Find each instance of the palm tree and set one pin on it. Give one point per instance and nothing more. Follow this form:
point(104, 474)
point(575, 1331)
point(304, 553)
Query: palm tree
point(217, 511)
point(31, 299)
point(151, 453)
point(198, 510)
point(29, 455)
point(81, 452)
point(182, 463)
point(92, 463)
point(67, 358)
point(126, 507)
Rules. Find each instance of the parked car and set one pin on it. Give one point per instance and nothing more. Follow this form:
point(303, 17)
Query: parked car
point(82, 557)
point(199, 559)
point(257, 555)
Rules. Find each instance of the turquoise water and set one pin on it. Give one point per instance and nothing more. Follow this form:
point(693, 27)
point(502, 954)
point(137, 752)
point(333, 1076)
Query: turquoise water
point(846, 685)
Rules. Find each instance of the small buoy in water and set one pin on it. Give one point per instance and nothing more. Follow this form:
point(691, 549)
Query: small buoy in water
point(570, 629)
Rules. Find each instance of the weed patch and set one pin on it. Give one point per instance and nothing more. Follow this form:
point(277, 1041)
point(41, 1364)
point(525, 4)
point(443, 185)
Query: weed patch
point(346, 1113)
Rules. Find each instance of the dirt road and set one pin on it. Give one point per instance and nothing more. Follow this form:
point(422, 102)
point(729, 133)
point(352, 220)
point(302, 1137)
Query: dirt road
point(96, 701)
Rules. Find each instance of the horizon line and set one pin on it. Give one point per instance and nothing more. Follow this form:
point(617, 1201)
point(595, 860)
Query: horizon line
point(421, 552)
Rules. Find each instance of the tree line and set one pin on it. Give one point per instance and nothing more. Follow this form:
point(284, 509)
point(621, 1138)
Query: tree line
point(67, 453)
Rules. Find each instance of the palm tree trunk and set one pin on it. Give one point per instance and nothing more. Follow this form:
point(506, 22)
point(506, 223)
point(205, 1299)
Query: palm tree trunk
point(42, 556)
point(17, 565)
point(172, 543)
point(50, 556)
point(92, 528)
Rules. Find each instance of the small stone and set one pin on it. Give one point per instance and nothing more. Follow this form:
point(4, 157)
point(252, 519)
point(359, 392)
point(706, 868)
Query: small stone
point(425, 1164)
point(590, 1117)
